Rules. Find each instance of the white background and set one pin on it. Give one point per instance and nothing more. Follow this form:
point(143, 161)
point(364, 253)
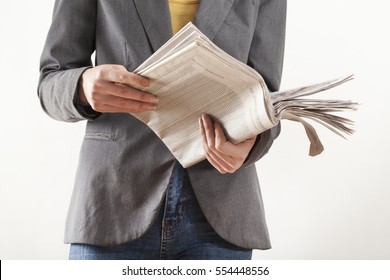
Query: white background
point(334, 206)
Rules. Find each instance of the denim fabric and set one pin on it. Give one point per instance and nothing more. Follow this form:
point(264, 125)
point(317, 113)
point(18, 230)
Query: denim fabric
point(180, 232)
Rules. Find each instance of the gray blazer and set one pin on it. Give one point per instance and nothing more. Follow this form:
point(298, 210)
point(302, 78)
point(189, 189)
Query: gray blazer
point(124, 167)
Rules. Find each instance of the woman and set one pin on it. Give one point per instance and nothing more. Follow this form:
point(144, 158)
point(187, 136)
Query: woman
point(131, 199)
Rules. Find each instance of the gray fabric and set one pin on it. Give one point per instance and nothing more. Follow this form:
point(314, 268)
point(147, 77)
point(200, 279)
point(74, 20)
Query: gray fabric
point(124, 168)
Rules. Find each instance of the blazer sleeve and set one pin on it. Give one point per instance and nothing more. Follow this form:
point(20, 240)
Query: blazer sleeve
point(266, 57)
point(66, 55)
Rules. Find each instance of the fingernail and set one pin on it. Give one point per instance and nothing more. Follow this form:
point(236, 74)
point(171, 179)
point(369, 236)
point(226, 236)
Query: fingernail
point(145, 82)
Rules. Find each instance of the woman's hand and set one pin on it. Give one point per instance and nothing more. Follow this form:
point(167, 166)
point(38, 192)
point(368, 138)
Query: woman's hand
point(225, 156)
point(112, 89)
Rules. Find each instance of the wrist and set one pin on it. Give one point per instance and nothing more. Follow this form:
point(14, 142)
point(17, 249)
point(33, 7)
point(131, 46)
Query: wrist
point(81, 94)
point(82, 98)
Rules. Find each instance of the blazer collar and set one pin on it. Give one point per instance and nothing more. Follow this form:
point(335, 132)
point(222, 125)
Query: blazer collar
point(156, 19)
point(211, 15)
point(158, 27)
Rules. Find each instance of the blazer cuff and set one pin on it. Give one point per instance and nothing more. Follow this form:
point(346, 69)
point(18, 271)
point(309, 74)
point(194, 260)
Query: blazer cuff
point(85, 111)
point(262, 145)
point(58, 93)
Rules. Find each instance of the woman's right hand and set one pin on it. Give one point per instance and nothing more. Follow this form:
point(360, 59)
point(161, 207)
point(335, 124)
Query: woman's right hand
point(112, 89)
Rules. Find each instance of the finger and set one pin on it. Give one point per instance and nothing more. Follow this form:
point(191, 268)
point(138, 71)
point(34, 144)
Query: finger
point(228, 162)
point(224, 149)
point(109, 103)
point(129, 78)
point(215, 164)
point(105, 108)
point(127, 92)
point(205, 147)
point(208, 127)
point(119, 74)
point(233, 154)
point(222, 161)
point(213, 158)
point(222, 145)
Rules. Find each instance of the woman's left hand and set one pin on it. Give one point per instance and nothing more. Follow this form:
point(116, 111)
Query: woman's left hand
point(225, 156)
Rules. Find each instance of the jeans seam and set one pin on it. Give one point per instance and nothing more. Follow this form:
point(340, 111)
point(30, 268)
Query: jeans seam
point(163, 229)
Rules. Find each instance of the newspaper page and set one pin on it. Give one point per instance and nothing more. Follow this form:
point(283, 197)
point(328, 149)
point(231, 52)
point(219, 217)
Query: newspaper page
point(192, 76)
point(193, 82)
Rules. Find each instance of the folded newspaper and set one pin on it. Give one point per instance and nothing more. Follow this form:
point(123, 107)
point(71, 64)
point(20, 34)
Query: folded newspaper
point(192, 76)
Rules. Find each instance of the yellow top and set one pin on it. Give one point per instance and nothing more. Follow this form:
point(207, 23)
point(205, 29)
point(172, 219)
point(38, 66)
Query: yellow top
point(182, 12)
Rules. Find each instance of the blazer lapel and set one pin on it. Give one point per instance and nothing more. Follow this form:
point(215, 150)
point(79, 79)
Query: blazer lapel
point(156, 19)
point(211, 15)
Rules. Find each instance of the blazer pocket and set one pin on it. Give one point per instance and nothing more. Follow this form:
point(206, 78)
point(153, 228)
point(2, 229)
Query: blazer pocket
point(100, 136)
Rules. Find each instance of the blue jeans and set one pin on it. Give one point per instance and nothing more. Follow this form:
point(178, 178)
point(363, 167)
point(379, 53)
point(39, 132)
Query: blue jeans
point(180, 232)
